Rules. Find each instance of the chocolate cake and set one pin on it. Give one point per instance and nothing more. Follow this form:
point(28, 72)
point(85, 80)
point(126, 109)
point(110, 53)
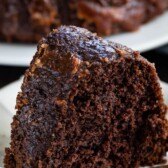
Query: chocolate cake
point(28, 21)
point(87, 103)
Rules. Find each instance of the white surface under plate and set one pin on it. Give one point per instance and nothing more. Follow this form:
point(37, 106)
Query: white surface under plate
point(7, 109)
point(149, 36)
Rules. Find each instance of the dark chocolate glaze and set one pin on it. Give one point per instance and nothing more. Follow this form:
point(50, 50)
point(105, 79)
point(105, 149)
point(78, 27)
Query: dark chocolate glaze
point(67, 46)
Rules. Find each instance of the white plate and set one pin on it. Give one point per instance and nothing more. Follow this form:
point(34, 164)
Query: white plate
point(149, 36)
point(7, 105)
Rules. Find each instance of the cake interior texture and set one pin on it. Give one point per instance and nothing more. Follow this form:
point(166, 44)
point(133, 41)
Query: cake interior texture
point(28, 21)
point(87, 103)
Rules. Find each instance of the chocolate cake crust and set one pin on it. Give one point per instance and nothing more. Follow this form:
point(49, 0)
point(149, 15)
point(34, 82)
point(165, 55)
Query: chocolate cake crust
point(87, 102)
point(28, 21)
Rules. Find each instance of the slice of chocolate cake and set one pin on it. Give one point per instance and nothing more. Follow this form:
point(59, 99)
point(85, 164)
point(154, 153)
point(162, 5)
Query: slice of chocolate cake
point(87, 103)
